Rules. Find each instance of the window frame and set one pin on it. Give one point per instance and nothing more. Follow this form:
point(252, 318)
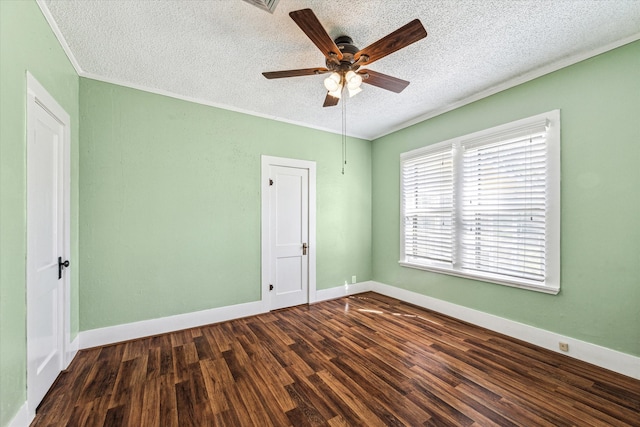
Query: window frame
point(551, 282)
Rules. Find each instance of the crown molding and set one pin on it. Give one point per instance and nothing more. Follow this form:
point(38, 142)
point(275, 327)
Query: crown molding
point(534, 74)
point(201, 101)
point(531, 75)
point(56, 31)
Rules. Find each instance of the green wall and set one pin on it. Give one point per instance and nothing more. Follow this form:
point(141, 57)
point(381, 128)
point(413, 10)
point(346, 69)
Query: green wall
point(170, 211)
point(599, 299)
point(26, 43)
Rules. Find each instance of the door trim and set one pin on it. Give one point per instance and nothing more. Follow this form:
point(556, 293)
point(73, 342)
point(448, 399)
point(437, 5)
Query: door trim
point(36, 96)
point(268, 161)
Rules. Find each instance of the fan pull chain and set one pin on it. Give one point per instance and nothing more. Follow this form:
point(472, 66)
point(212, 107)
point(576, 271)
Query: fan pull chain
point(344, 133)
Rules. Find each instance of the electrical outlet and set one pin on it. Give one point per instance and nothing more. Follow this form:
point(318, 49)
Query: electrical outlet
point(353, 279)
point(563, 346)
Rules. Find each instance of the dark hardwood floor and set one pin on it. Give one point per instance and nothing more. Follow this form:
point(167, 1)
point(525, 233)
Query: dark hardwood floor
point(366, 360)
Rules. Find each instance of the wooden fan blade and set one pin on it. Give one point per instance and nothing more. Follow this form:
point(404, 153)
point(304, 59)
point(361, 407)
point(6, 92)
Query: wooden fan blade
point(308, 22)
point(294, 73)
point(402, 37)
point(330, 101)
point(383, 81)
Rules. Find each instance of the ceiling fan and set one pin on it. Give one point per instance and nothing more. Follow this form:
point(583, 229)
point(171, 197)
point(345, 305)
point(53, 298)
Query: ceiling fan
point(343, 59)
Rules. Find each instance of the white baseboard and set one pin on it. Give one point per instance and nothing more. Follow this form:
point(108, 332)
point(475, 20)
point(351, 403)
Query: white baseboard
point(607, 358)
point(22, 417)
point(146, 328)
point(71, 351)
point(342, 291)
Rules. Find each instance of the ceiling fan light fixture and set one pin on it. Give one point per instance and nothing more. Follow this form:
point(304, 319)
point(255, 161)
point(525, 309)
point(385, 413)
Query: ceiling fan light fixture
point(332, 83)
point(353, 79)
point(353, 92)
point(336, 93)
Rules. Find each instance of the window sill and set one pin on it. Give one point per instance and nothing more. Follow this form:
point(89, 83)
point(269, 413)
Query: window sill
point(489, 278)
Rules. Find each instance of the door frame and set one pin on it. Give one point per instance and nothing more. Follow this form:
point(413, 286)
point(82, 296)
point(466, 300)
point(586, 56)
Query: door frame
point(37, 96)
point(310, 166)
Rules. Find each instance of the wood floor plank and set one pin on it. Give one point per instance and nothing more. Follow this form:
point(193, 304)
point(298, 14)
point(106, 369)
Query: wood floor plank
point(506, 385)
point(124, 382)
point(461, 402)
point(518, 414)
point(96, 412)
point(150, 411)
point(180, 364)
point(135, 404)
point(215, 387)
point(269, 367)
point(347, 395)
point(239, 412)
point(363, 360)
point(273, 387)
point(303, 413)
point(262, 405)
point(185, 404)
point(334, 401)
point(116, 417)
point(203, 348)
point(337, 421)
point(310, 399)
point(381, 393)
point(168, 414)
point(166, 359)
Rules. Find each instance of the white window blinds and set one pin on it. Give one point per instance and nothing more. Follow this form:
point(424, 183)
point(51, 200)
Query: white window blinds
point(427, 183)
point(503, 206)
point(487, 205)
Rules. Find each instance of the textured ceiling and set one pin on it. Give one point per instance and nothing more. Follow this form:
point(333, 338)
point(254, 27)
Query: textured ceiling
point(214, 51)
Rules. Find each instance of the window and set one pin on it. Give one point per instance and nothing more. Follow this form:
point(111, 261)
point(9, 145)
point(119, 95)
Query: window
point(486, 205)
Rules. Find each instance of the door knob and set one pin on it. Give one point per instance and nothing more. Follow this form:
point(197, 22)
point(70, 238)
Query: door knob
point(61, 265)
point(304, 249)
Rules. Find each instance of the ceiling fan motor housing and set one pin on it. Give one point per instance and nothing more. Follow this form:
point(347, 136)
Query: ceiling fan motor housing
point(348, 50)
point(345, 44)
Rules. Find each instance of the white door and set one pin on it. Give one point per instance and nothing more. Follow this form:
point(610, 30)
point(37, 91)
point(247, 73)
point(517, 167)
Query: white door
point(46, 232)
point(290, 245)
